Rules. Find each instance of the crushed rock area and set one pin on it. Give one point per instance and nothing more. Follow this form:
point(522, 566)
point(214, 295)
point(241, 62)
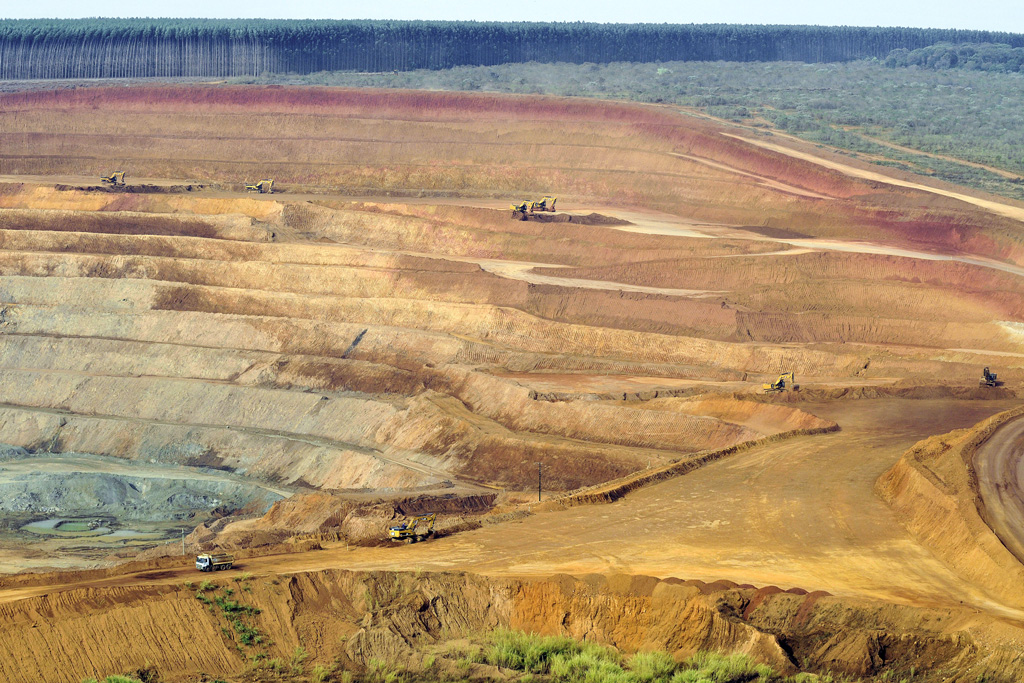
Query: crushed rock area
point(78, 484)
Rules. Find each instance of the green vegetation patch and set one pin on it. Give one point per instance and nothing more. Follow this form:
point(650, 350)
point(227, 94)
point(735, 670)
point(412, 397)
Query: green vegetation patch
point(565, 660)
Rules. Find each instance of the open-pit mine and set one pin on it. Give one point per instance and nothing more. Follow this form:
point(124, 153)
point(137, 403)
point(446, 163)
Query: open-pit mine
point(282, 373)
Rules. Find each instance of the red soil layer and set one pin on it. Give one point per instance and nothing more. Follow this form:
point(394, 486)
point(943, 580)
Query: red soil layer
point(900, 215)
point(692, 136)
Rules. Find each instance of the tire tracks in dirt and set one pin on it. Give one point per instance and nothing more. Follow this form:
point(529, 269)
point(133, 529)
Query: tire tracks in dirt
point(1007, 210)
point(999, 466)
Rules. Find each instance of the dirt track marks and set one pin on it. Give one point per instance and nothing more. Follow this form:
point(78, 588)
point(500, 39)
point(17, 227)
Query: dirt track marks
point(761, 180)
point(999, 464)
point(800, 512)
point(1015, 212)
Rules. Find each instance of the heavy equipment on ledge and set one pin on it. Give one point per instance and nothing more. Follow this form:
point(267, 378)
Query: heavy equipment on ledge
point(785, 380)
point(265, 186)
point(212, 563)
point(544, 204)
point(520, 210)
point(416, 529)
point(989, 379)
point(115, 178)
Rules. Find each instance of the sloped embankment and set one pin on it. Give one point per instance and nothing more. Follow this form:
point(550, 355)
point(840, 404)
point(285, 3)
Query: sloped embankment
point(934, 490)
point(351, 617)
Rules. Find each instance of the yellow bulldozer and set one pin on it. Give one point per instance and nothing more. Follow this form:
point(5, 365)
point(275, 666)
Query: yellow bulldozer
point(265, 186)
point(785, 380)
point(416, 529)
point(544, 204)
point(116, 178)
point(519, 211)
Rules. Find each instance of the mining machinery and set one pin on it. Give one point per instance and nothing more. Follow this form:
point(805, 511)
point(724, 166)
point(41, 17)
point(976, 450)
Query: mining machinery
point(989, 379)
point(416, 529)
point(213, 563)
point(520, 210)
point(544, 204)
point(785, 380)
point(115, 178)
point(265, 186)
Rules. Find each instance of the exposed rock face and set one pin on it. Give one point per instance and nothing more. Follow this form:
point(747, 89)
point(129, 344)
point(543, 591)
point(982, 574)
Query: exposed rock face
point(387, 616)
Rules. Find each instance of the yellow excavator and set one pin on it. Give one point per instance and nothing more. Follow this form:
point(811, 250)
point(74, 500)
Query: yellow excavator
point(519, 210)
point(116, 178)
point(416, 529)
point(785, 380)
point(989, 379)
point(544, 204)
point(265, 186)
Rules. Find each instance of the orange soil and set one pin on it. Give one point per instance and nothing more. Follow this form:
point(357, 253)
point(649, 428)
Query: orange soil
point(345, 347)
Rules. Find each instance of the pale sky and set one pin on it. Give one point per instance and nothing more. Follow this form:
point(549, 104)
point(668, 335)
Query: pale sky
point(996, 15)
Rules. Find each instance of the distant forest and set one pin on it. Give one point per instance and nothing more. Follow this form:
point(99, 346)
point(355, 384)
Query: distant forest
point(996, 58)
point(139, 48)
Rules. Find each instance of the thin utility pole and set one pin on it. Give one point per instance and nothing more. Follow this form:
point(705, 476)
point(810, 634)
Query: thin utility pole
point(182, 540)
point(538, 482)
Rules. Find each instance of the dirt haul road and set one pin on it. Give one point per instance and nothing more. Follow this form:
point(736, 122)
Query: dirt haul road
point(798, 513)
point(997, 207)
point(999, 464)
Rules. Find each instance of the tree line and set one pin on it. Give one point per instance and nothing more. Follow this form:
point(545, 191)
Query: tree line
point(136, 48)
point(984, 57)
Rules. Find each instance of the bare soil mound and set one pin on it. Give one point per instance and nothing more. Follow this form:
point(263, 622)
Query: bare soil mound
point(132, 189)
point(934, 489)
point(580, 219)
point(361, 521)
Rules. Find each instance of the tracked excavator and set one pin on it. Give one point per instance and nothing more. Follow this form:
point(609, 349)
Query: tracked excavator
point(989, 379)
point(544, 204)
point(784, 381)
point(520, 210)
point(265, 186)
point(116, 178)
point(416, 529)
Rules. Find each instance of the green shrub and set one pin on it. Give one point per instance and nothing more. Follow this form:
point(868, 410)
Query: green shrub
point(379, 671)
point(587, 667)
point(652, 666)
point(298, 657)
point(532, 653)
point(716, 668)
point(320, 673)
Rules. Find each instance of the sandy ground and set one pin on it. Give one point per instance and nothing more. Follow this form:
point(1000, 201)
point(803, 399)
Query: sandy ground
point(425, 381)
point(1000, 468)
point(799, 513)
